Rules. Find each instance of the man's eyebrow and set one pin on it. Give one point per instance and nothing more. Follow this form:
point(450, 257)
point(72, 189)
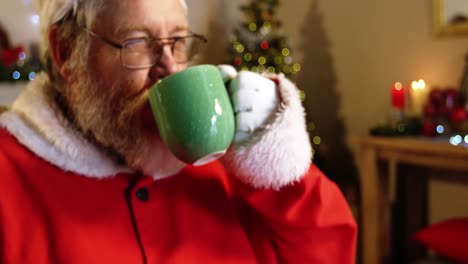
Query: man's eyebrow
point(180, 28)
point(125, 29)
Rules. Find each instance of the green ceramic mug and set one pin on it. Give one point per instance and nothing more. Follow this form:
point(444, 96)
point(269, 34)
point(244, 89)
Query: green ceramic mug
point(193, 113)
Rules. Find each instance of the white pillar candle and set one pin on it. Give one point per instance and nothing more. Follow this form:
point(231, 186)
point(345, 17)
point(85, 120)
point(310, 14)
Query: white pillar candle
point(418, 97)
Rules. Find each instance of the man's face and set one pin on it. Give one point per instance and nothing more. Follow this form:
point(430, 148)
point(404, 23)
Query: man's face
point(108, 100)
point(124, 20)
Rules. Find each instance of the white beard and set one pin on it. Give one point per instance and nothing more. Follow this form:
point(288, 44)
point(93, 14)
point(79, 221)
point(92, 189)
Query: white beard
point(114, 120)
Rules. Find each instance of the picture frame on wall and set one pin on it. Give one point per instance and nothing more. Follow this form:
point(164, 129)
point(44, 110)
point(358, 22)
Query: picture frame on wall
point(450, 18)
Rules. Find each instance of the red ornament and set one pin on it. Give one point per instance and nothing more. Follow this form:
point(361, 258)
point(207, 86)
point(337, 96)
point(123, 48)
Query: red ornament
point(264, 45)
point(429, 128)
point(10, 56)
point(444, 110)
point(430, 110)
point(237, 61)
point(436, 96)
point(458, 115)
point(452, 98)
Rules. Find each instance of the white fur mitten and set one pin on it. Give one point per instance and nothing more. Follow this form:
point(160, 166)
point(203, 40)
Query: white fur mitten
point(271, 147)
point(254, 98)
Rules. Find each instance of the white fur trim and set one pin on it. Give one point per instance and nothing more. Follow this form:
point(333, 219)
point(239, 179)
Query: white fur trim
point(38, 125)
point(280, 154)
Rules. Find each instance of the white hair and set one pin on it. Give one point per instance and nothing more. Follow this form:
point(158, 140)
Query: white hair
point(54, 11)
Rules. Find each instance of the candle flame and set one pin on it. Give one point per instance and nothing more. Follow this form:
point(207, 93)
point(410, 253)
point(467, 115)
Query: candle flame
point(398, 86)
point(418, 85)
point(422, 84)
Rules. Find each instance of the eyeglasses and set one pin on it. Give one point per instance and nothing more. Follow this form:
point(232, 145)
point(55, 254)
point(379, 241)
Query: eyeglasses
point(144, 53)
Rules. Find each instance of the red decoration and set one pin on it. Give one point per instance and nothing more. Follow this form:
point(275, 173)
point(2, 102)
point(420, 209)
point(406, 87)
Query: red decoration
point(264, 45)
point(452, 98)
point(429, 128)
point(398, 96)
point(10, 56)
point(237, 61)
point(430, 110)
point(443, 111)
point(436, 96)
point(459, 114)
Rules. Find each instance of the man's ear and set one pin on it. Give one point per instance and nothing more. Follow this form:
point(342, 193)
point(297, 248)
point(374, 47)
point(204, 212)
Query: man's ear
point(60, 51)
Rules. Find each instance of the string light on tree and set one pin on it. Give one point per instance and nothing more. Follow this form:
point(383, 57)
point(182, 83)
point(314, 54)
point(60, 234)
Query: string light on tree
point(259, 43)
point(302, 95)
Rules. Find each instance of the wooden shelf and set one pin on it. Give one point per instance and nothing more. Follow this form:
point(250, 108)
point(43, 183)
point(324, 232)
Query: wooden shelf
point(377, 186)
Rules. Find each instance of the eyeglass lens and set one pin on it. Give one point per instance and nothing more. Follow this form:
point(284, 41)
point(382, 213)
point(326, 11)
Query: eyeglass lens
point(144, 53)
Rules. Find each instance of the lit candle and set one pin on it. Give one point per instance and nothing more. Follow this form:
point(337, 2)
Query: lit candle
point(398, 96)
point(418, 97)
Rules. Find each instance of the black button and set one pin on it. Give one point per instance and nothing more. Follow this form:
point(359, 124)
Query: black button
point(142, 194)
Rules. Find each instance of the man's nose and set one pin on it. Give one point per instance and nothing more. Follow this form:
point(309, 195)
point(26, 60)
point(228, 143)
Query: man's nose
point(166, 65)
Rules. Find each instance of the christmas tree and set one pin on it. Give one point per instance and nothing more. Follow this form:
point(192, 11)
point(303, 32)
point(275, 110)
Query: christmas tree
point(257, 44)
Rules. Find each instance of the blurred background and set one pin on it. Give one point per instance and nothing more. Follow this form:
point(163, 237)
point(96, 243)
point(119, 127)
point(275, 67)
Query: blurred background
point(390, 70)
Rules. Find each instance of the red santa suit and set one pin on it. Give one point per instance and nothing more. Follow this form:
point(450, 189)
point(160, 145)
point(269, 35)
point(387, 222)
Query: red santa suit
point(62, 200)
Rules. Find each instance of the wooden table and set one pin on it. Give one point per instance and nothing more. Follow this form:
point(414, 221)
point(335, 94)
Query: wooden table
point(378, 186)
